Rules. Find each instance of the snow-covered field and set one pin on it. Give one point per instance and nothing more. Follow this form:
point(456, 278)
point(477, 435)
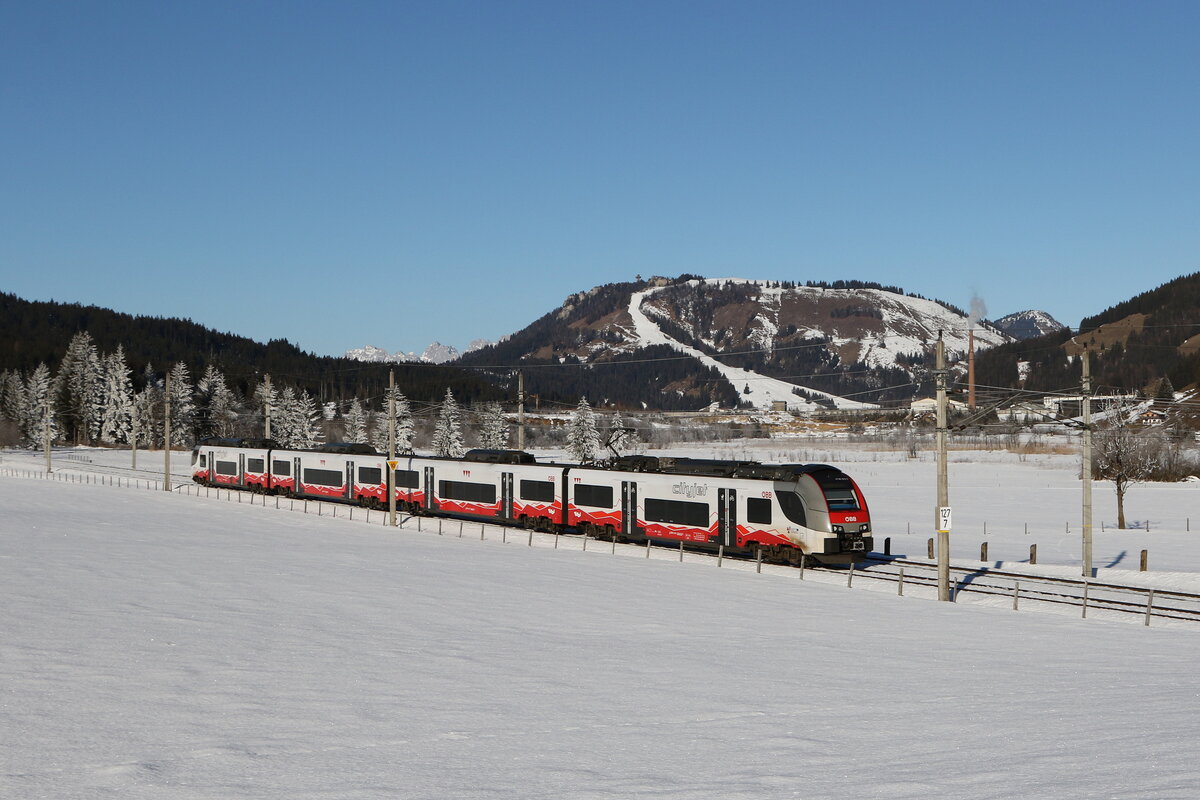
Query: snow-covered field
point(167, 645)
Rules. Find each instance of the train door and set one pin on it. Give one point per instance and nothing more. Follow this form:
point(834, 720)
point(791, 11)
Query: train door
point(629, 504)
point(430, 502)
point(506, 495)
point(297, 484)
point(212, 466)
point(349, 480)
point(241, 476)
point(727, 517)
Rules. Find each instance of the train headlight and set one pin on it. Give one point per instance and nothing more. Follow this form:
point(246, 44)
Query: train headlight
point(838, 529)
point(864, 528)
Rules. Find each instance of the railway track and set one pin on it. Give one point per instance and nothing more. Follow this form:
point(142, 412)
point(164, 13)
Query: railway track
point(998, 587)
point(1031, 589)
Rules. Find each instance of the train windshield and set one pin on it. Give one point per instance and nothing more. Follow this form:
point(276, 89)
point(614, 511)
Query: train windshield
point(838, 489)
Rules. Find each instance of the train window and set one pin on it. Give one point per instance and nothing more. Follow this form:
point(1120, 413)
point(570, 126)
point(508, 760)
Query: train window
point(542, 491)
point(371, 476)
point(679, 512)
point(227, 468)
point(470, 492)
point(758, 511)
point(793, 507)
point(841, 499)
point(408, 478)
point(281, 467)
point(839, 491)
point(255, 465)
point(324, 477)
point(593, 496)
point(204, 461)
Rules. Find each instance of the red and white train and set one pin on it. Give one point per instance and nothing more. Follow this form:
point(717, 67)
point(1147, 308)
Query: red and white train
point(784, 510)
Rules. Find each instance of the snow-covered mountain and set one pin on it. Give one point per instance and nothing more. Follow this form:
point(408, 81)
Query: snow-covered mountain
point(843, 345)
point(435, 353)
point(1028, 324)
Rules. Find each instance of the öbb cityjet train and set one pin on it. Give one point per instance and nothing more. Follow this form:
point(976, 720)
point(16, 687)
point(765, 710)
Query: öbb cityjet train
point(784, 510)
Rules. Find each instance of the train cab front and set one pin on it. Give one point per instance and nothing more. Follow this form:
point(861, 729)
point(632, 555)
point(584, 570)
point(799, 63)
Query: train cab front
point(849, 528)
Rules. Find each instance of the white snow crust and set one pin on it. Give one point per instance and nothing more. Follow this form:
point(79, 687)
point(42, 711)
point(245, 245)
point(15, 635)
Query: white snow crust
point(166, 645)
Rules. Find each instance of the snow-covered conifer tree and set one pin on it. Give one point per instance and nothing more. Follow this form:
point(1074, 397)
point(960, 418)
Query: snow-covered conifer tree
point(183, 410)
point(583, 439)
point(77, 388)
point(266, 401)
point(216, 410)
point(12, 397)
point(356, 422)
point(447, 434)
point(147, 408)
point(405, 428)
point(37, 399)
point(118, 398)
point(493, 429)
point(284, 416)
point(307, 432)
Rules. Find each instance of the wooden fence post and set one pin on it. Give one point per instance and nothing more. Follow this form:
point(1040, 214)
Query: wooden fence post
point(1145, 557)
point(1016, 593)
point(1149, 605)
point(931, 548)
point(900, 583)
point(983, 552)
point(1033, 554)
point(887, 546)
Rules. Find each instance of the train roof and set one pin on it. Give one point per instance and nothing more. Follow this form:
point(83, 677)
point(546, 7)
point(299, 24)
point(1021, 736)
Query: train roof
point(254, 444)
point(347, 448)
point(500, 456)
point(715, 468)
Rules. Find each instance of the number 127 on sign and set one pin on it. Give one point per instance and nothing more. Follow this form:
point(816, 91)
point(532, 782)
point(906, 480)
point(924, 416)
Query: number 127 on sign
point(943, 519)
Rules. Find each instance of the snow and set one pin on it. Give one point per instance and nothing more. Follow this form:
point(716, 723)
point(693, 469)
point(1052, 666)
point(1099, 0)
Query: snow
point(162, 644)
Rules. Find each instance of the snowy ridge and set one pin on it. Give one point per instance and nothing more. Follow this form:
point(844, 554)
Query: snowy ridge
point(435, 353)
point(1028, 324)
point(757, 389)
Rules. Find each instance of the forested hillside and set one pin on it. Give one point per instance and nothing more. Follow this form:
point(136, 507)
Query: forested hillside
point(1135, 344)
point(39, 332)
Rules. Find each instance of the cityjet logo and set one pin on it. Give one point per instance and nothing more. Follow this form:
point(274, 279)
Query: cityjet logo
point(690, 489)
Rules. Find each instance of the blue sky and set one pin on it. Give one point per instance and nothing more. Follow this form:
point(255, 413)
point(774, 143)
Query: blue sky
point(395, 173)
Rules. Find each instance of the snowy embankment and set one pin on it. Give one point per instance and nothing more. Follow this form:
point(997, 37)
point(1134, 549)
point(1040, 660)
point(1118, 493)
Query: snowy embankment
point(161, 644)
point(757, 389)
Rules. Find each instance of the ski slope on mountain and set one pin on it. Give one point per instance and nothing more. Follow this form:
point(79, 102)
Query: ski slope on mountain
point(759, 390)
point(160, 644)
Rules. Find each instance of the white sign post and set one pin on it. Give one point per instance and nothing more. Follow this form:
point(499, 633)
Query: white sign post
point(943, 519)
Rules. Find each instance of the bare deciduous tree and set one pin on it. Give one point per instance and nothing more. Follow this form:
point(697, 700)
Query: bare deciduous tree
point(1125, 455)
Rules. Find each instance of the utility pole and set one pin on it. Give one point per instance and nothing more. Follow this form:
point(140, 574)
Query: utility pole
point(133, 435)
point(391, 481)
point(520, 410)
point(267, 408)
point(942, 515)
point(46, 433)
point(1086, 471)
point(167, 433)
